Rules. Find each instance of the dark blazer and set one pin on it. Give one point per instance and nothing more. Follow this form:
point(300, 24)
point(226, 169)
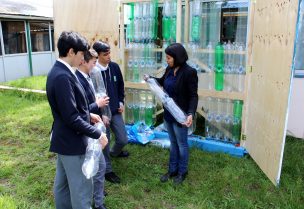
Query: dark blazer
point(116, 91)
point(185, 88)
point(70, 111)
point(89, 92)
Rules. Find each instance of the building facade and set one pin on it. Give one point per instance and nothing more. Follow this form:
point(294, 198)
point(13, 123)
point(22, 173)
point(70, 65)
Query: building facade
point(26, 42)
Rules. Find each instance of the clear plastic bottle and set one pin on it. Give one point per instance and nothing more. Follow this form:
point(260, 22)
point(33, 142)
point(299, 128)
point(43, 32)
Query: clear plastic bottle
point(210, 63)
point(145, 29)
point(129, 107)
point(209, 128)
point(100, 90)
point(196, 58)
point(145, 10)
point(136, 106)
point(234, 57)
point(196, 21)
point(228, 119)
point(167, 101)
point(93, 152)
point(142, 61)
point(219, 118)
point(228, 78)
point(136, 63)
point(142, 105)
point(91, 162)
point(149, 110)
point(175, 111)
point(130, 62)
point(240, 79)
point(173, 20)
point(164, 62)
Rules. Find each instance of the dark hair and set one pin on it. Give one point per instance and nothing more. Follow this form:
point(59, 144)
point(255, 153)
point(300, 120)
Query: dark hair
point(89, 54)
point(71, 40)
point(100, 46)
point(178, 52)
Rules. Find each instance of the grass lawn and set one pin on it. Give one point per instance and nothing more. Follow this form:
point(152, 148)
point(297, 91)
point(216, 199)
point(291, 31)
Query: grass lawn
point(33, 82)
point(27, 170)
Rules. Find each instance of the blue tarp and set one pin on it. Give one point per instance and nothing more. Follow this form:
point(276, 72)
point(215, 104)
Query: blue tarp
point(161, 138)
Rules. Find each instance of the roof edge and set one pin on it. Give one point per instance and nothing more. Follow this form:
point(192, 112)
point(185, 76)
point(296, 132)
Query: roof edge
point(24, 17)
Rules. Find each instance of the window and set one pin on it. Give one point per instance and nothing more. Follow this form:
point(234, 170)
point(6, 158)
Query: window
point(14, 37)
point(0, 47)
point(52, 36)
point(40, 36)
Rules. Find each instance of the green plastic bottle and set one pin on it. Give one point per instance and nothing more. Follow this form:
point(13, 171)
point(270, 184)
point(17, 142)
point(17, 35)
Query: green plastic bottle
point(195, 28)
point(155, 22)
point(219, 79)
point(173, 28)
point(219, 67)
point(149, 115)
point(166, 28)
point(237, 108)
point(219, 56)
point(237, 120)
point(131, 11)
point(130, 28)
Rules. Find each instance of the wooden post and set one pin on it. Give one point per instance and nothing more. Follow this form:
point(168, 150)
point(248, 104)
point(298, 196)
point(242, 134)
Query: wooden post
point(186, 27)
point(179, 21)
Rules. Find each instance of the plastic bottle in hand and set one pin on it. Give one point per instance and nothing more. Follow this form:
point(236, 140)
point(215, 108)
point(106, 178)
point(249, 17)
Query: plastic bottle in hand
point(175, 111)
point(91, 162)
point(92, 156)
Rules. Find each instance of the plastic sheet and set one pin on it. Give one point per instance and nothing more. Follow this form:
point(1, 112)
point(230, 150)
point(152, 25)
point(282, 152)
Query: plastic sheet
point(140, 133)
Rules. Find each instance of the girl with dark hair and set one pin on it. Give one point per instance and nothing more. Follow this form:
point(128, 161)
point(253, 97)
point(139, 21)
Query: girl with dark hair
point(180, 82)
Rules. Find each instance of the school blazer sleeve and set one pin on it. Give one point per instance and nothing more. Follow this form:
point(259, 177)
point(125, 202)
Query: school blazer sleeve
point(93, 108)
point(192, 83)
point(121, 86)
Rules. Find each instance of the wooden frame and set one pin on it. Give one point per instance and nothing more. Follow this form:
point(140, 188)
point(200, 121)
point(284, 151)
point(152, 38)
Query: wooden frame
point(268, 86)
point(250, 133)
point(93, 19)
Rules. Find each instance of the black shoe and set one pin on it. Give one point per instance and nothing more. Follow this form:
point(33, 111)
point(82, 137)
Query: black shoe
point(179, 178)
point(101, 207)
point(121, 154)
point(167, 176)
point(112, 177)
point(105, 193)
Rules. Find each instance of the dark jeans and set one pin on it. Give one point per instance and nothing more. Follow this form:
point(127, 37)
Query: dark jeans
point(179, 150)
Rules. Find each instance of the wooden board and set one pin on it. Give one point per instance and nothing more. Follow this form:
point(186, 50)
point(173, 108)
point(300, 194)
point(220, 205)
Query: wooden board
point(269, 83)
point(94, 19)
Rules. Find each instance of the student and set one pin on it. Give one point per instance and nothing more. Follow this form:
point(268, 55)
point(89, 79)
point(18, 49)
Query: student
point(71, 126)
point(89, 62)
point(114, 84)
